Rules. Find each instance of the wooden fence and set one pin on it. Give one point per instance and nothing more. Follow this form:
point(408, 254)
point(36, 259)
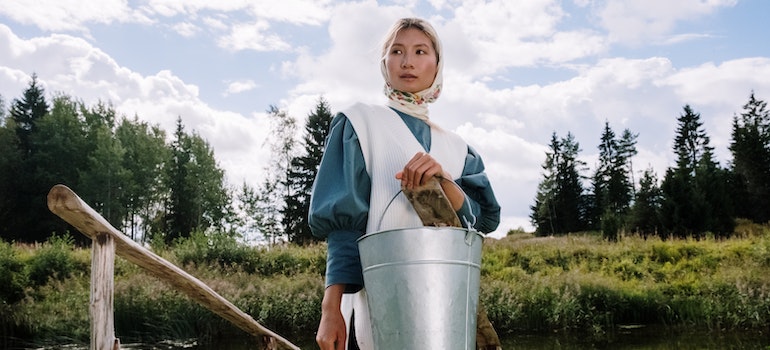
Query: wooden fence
point(107, 240)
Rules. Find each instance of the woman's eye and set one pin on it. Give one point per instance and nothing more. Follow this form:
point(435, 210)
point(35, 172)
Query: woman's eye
point(396, 52)
point(421, 52)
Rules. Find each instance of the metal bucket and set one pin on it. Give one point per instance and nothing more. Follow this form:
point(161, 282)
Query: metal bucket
point(422, 286)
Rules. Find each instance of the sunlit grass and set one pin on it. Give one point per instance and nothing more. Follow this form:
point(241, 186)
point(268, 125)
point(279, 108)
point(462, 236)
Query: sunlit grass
point(582, 282)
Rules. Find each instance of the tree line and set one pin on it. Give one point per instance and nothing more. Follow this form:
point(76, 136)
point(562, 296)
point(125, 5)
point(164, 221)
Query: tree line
point(148, 185)
point(153, 186)
point(695, 197)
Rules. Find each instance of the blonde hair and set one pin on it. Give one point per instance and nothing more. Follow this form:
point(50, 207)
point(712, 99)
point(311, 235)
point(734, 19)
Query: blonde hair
point(416, 23)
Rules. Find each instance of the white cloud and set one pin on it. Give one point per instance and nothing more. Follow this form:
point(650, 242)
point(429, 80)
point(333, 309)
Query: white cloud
point(69, 65)
point(348, 71)
point(253, 36)
point(186, 29)
point(69, 15)
point(300, 12)
point(680, 38)
point(634, 21)
point(500, 34)
point(719, 91)
point(240, 86)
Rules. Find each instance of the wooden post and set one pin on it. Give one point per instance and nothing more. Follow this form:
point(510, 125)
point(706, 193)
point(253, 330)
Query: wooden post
point(102, 288)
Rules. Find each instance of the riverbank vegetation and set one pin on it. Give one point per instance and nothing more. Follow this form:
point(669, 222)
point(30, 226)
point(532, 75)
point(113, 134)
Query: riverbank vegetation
point(579, 283)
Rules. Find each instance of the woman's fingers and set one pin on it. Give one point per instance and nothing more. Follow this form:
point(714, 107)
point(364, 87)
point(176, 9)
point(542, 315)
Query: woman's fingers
point(419, 170)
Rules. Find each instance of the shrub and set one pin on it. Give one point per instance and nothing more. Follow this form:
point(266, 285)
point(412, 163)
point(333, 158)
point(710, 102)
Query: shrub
point(611, 224)
point(53, 260)
point(214, 250)
point(11, 274)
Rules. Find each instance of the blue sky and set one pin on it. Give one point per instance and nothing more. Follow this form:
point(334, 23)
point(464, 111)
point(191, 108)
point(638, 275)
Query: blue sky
point(515, 71)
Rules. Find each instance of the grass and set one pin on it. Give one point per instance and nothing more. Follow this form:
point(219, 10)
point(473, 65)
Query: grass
point(582, 282)
point(578, 282)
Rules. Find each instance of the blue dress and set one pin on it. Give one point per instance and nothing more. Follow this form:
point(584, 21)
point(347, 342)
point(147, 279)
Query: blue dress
point(339, 203)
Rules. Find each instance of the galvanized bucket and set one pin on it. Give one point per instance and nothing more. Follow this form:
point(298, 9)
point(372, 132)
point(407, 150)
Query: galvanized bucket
point(422, 285)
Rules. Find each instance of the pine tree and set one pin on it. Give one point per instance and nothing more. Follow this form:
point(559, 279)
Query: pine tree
point(20, 205)
point(750, 148)
point(10, 162)
point(543, 215)
point(560, 205)
point(198, 198)
point(60, 155)
point(27, 112)
point(714, 183)
point(570, 185)
point(302, 174)
point(645, 217)
point(686, 207)
point(612, 187)
point(608, 148)
point(626, 152)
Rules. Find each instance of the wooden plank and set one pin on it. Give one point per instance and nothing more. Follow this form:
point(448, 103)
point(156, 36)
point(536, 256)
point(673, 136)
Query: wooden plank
point(66, 204)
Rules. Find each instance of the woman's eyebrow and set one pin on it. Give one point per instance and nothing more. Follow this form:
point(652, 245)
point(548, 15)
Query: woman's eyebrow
point(400, 44)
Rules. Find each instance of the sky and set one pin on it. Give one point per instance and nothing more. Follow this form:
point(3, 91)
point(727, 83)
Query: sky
point(515, 72)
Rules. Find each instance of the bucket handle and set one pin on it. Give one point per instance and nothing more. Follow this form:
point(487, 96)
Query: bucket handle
point(469, 224)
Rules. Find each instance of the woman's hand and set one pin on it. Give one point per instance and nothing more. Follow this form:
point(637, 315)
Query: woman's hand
point(331, 331)
point(421, 168)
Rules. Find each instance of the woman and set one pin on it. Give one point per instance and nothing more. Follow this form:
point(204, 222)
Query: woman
point(374, 151)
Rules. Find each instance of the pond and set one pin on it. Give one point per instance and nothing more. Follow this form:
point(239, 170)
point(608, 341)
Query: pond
point(626, 339)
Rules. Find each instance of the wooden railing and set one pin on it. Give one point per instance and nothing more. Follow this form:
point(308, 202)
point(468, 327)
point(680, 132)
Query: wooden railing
point(107, 240)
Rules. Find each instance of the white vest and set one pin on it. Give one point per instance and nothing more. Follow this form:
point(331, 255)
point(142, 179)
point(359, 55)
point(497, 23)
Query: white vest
point(387, 145)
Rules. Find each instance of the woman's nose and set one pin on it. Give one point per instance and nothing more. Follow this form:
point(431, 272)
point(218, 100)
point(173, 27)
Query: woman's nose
point(405, 61)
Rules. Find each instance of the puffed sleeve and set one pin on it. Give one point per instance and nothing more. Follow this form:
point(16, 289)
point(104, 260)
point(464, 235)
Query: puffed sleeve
point(339, 203)
point(481, 201)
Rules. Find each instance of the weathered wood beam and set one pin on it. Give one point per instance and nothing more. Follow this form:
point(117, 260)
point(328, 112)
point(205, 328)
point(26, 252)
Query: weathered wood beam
point(63, 202)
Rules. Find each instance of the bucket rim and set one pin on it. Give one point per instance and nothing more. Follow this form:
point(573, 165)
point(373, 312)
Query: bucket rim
point(422, 228)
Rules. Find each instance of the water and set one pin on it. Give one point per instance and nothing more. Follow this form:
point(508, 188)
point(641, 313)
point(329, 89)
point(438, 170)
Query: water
point(629, 339)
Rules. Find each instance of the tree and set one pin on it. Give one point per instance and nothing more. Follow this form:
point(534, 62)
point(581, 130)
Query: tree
point(560, 205)
point(750, 148)
point(690, 142)
point(644, 217)
point(27, 112)
point(627, 151)
point(612, 185)
point(104, 176)
point(690, 191)
point(144, 160)
point(260, 215)
point(60, 153)
point(197, 198)
point(208, 189)
point(714, 183)
point(10, 163)
point(19, 189)
point(274, 190)
point(302, 174)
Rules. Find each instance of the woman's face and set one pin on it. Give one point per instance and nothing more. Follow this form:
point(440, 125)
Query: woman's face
point(411, 61)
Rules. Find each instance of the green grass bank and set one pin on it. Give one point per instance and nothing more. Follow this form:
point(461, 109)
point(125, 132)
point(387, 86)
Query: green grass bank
point(575, 283)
